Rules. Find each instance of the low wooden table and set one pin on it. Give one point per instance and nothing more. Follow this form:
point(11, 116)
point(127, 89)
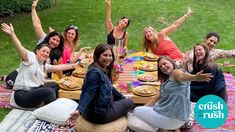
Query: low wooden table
point(123, 78)
point(76, 95)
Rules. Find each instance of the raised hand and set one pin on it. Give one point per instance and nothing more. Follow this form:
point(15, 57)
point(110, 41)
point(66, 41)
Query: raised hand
point(108, 2)
point(7, 28)
point(51, 29)
point(201, 77)
point(35, 2)
point(189, 12)
point(186, 56)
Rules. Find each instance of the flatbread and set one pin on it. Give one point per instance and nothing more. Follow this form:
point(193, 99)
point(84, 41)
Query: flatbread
point(149, 67)
point(79, 72)
point(143, 63)
point(147, 78)
point(145, 90)
point(70, 83)
point(150, 57)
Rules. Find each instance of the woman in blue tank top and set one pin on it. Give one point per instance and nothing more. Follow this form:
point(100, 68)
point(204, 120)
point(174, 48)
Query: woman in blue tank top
point(170, 108)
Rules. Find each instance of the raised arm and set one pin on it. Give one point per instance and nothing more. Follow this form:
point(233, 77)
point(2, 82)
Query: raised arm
point(10, 31)
point(187, 61)
point(220, 53)
point(179, 75)
point(109, 23)
point(36, 21)
point(166, 31)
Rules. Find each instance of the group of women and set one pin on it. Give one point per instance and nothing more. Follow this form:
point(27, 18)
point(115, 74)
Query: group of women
point(100, 102)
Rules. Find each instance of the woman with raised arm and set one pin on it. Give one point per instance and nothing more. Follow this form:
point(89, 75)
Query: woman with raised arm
point(170, 108)
point(30, 89)
point(159, 43)
point(71, 37)
point(118, 33)
point(70, 43)
point(53, 39)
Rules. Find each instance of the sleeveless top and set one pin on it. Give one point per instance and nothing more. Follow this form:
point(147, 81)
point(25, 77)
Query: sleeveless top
point(66, 54)
point(175, 100)
point(111, 38)
point(167, 47)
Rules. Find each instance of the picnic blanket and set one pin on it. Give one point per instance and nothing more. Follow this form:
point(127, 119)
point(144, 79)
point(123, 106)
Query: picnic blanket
point(5, 95)
point(17, 121)
point(229, 124)
point(23, 121)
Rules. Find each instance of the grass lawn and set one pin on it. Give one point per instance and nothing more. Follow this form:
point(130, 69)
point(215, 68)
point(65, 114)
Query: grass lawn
point(89, 16)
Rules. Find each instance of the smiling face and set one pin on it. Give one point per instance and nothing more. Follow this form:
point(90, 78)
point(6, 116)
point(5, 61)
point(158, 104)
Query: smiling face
point(149, 34)
point(70, 35)
point(123, 23)
point(211, 42)
point(166, 66)
point(54, 41)
point(200, 53)
point(105, 59)
point(43, 53)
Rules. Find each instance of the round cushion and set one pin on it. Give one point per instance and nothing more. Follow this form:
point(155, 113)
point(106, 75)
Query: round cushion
point(118, 125)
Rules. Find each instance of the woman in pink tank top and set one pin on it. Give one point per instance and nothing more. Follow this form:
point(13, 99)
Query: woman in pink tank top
point(159, 43)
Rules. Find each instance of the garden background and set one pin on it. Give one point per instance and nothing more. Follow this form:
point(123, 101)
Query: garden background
point(90, 17)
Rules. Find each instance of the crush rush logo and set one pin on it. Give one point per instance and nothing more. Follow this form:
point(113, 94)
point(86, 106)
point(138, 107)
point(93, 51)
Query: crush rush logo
point(211, 111)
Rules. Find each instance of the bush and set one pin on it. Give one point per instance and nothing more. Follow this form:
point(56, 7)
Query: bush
point(8, 7)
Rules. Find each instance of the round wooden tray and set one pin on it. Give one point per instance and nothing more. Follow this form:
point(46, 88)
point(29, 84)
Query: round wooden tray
point(70, 83)
point(148, 68)
point(145, 90)
point(150, 59)
point(147, 78)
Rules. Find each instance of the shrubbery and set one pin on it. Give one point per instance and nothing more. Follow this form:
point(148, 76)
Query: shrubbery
point(8, 7)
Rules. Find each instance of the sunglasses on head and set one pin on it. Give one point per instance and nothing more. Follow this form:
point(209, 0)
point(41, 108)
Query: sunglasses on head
point(72, 26)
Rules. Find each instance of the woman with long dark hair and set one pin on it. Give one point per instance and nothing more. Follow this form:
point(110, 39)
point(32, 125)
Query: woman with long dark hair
point(100, 102)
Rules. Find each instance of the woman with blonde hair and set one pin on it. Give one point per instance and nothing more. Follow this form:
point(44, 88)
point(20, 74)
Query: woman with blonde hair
point(159, 43)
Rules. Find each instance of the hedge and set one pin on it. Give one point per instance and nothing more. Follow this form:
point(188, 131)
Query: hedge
point(9, 7)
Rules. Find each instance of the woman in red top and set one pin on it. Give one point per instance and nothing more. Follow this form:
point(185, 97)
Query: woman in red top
point(159, 42)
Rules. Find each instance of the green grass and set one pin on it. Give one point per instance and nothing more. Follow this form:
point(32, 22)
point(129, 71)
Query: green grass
point(3, 113)
point(89, 16)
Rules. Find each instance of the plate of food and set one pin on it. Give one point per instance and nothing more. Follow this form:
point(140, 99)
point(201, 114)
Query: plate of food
point(143, 63)
point(87, 50)
point(147, 78)
point(70, 83)
point(79, 72)
point(149, 67)
point(150, 57)
point(145, 90)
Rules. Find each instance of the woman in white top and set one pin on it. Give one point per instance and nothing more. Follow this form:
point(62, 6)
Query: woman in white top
point(30, 89)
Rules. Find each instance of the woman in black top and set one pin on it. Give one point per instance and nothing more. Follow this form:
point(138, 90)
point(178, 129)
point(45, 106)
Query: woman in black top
point(118, 33)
